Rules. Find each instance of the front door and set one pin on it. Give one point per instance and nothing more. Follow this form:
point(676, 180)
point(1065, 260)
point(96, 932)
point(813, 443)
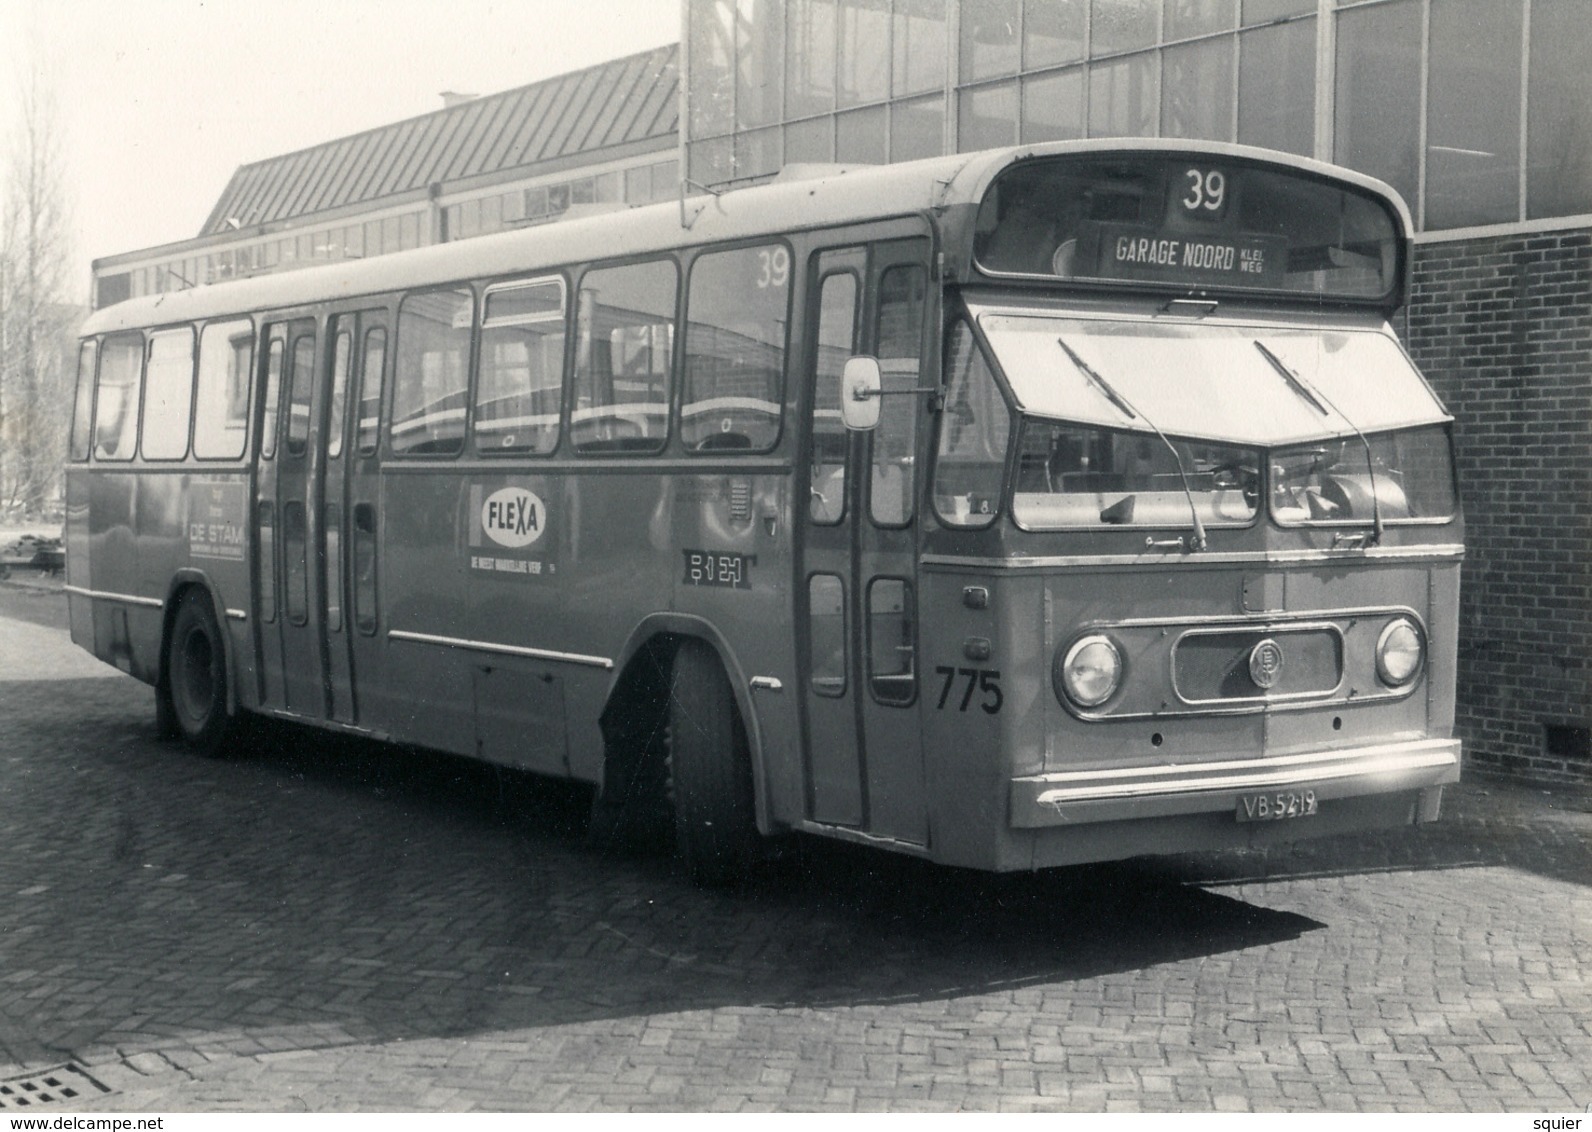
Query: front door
point(860, 656)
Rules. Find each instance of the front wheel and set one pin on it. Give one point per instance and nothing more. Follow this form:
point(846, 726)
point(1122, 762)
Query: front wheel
point(196, 676)
point(710, 761)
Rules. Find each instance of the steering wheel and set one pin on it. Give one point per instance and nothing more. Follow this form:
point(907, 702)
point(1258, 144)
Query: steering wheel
point(1242, 477)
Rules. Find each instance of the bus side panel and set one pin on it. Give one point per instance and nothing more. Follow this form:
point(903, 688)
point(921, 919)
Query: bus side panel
point(980, 717)
point(732, 567)
point(506, 552)
point(79, 566)
point(1442, 645)
point(422, 589)
point(160, 526)
point(615, 567)
point(113, 546)
point(216, 518)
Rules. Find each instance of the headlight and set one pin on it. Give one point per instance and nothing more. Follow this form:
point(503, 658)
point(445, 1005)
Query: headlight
point(1090, 672)
point(1399, 653)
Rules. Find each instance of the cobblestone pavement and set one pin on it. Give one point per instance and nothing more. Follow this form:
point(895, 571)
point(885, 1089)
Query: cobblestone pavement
point(330, 925)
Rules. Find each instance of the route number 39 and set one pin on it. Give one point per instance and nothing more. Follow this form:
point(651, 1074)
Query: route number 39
point(773, 268)
point(1207, 191)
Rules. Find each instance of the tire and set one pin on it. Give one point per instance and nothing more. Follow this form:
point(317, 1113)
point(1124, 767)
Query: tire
point(631, 812)
point(715, 817)
point(196, 677)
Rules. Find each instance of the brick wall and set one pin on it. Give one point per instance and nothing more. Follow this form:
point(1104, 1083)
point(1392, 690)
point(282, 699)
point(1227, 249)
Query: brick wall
point(1502, 326)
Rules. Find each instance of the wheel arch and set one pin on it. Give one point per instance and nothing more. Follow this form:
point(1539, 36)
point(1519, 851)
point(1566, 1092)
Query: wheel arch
point(184, 581)
point(658, 636)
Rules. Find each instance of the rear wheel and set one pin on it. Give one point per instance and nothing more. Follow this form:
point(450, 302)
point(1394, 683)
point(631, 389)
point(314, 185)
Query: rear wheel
point(196, 677)
point(715, 817)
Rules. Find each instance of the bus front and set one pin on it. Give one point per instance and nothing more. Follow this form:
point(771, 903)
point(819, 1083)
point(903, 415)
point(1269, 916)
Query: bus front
point(1195, 515)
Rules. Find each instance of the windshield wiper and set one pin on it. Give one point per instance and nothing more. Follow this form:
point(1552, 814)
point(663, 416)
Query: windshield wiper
point(1322, 403)
point(1197, 540)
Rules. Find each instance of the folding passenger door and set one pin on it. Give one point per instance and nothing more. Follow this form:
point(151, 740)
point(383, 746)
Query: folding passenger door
point(353, 489)
point(286, 512)
point(860, 657)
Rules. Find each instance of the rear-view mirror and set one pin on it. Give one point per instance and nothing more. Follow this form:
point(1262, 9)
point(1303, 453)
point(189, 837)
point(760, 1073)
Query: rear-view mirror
point(860, 384)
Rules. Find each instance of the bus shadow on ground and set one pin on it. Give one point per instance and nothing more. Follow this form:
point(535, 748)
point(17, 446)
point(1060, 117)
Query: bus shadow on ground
point(823, 923)
point(316, 880)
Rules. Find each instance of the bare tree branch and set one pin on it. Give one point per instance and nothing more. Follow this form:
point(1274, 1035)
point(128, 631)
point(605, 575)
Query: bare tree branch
point(36, 321)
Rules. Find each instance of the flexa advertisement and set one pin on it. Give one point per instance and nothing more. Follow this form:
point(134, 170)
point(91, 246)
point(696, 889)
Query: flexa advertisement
point(509, 535)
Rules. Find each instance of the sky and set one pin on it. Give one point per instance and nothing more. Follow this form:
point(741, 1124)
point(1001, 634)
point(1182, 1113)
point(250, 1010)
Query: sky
point(159, 101)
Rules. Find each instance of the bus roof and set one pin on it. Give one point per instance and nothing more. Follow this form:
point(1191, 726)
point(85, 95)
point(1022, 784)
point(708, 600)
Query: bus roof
point(836, 195)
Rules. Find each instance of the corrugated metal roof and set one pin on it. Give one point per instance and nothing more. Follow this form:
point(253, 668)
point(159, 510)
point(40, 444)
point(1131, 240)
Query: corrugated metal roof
point(626, 100)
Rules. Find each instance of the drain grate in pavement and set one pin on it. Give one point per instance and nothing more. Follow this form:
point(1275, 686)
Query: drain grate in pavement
point(50, 1086)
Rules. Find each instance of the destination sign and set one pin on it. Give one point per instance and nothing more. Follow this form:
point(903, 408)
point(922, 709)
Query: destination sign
point(1188, 221)
point(1132, 252)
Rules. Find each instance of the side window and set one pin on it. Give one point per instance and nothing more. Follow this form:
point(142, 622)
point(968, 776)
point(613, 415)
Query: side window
point(221, 405)
point(737, 310)
point(273, 393)
point(625, 357)
point(837, 322)
point(301, 394)
point(168, 395)
point(975, 429)
point(116, 397)
point(342, 358)
point(521, 384)
point(892, 488)
point(368, 431)
point(430, 385)
point(826, 620)
point(892, 641)
point(83, 406)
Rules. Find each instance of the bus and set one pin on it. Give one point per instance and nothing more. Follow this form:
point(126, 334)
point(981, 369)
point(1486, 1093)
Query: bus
point(1015, 509)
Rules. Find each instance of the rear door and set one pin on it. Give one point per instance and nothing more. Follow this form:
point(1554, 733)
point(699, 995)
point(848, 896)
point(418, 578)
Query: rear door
point(299, 472)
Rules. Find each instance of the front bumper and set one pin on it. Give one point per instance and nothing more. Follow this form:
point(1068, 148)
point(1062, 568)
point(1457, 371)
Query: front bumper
point(1073, 798)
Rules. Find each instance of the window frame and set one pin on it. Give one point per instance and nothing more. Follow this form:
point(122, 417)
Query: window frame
point(367, 445)
point(395, 348)
point(1268, 484)
point(221, 324)
point(683, 331)
point(857, 275)
point(83, 396)
point(138, 398)
point(676, 348)
point(151, 338)
point(567, 325)
point(873, 333)
point(981, 350)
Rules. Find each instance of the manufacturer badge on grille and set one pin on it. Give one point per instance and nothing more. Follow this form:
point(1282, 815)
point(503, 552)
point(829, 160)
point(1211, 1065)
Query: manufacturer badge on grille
point(1265, 663)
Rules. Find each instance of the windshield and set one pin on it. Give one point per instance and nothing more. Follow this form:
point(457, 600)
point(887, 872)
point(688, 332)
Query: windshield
point(1408, 476)
point(1074, 475)
point(1209, 379)
point(1331, 426)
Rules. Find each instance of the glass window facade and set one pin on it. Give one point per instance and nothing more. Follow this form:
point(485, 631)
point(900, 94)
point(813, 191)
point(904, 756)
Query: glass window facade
point(1276, 107)
point(1379, 69)
point(1197, 90)
point(1425, 94)
point(1559, 110)
point(1473, 114)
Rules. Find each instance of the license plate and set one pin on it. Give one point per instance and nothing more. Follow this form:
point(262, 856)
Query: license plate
point(1277, 806)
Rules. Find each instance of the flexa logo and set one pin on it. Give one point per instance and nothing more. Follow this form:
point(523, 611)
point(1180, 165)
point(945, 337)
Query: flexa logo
point(513, 517)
